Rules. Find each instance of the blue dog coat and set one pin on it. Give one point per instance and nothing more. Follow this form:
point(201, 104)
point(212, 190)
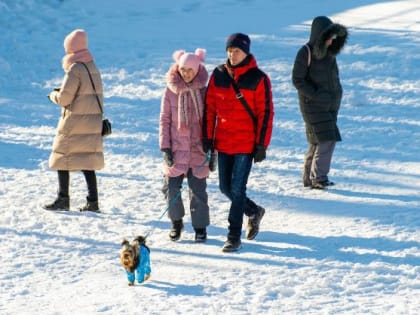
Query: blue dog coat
point(143, 270)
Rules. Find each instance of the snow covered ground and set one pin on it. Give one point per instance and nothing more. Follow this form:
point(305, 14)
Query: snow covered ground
point(354, 249)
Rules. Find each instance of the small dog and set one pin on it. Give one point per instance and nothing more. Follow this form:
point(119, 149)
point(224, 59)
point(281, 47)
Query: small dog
point(135, 258)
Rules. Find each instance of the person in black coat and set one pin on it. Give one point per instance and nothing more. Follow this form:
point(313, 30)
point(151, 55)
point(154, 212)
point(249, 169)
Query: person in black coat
point(316, 78)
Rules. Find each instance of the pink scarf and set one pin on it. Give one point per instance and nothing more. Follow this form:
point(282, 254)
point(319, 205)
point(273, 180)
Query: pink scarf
point(183, 121)
point(79, 56)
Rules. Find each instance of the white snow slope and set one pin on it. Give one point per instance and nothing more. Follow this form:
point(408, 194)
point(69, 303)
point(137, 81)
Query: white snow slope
point(353, 249)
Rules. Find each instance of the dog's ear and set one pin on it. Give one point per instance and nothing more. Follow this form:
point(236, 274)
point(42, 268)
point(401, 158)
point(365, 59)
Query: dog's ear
point(124, 242)
point(141, 240)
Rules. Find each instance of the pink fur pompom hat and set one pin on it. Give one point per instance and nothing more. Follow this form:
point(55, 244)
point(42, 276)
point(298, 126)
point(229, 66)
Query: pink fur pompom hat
point(189, 60)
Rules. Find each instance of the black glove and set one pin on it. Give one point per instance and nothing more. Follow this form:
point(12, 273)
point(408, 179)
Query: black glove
point(259, 153)
point(207, 145)
point(213, 161)
point(168, 157)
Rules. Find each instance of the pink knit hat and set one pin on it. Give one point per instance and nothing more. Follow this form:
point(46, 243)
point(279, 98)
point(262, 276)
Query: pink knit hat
point(189, 60)
point(75, 41)
point(75, 45)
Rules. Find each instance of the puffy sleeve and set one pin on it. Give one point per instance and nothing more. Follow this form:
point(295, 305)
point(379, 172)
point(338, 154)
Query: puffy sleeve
point(68, 89)
point(209, 115)
point(165, 122)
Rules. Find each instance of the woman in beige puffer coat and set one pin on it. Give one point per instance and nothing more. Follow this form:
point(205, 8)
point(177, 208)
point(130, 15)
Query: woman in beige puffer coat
point(78, 143)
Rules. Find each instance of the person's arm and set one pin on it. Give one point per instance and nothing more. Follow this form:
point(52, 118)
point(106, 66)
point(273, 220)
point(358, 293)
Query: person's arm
point(265, 112)
point(165, 121)
point(319, 97)
point(300, 73)
point(65, 95)
point(209, 116)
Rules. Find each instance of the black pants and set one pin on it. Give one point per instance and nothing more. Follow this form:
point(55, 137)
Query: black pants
point(199, 207)
point(90, 177)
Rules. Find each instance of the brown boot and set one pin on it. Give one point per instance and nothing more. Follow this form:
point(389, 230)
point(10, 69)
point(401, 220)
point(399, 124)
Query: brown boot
point(254, 224)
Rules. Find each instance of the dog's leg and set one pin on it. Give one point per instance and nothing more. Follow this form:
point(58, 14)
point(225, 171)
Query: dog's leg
point(131, 278)
point(144, 270)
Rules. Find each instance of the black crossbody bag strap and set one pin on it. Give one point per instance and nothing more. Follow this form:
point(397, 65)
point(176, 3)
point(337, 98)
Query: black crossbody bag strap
point(240, 97)
point(93, 85)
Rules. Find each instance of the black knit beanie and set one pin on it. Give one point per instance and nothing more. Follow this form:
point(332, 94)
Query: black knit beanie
point(239, 40)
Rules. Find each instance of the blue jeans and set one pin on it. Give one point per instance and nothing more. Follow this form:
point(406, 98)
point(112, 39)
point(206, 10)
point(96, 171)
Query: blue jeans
point(234, 171)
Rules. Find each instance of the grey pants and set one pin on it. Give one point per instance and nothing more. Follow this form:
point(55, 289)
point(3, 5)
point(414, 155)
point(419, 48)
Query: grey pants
point(200, 217)
point(317, 162)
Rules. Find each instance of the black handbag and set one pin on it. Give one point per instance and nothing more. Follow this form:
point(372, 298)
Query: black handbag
point(106, 124)
point(106, 127)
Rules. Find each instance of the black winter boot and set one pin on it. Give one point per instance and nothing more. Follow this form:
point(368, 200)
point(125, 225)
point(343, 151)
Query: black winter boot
point(200, 235)
point(175, 232)
point(92, 206)
point(59, 204)
point(321, 185)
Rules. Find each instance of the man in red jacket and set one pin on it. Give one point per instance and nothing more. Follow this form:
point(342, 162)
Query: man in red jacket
point(237, 122)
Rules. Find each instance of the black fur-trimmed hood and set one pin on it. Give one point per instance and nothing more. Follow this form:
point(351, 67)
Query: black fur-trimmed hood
point(322, 29)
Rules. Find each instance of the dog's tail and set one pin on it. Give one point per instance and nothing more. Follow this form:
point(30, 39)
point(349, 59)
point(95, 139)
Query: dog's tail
point(142, 242)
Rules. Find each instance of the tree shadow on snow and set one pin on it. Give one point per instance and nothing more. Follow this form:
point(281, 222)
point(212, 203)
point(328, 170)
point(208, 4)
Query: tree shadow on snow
point(383, 197)
point(303, 248)
point(336, 248)
point(175, 288)
point(387, 209)
point(56, 242)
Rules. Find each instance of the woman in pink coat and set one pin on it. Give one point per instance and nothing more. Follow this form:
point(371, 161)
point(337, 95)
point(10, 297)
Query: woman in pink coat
point(179, 139)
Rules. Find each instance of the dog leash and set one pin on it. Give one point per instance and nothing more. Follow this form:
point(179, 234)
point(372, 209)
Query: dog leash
point(207, 160)
point(171, 204)
point(174, 199)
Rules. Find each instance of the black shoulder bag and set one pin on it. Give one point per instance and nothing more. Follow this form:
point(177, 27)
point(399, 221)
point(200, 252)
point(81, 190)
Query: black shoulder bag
point(106, 124)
